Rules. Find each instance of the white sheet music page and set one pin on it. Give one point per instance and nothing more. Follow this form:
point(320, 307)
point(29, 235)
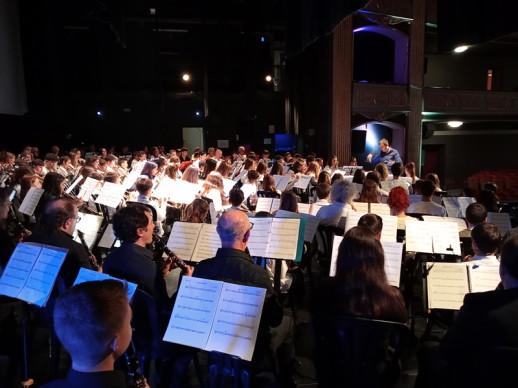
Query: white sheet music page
point(312, 222)
point(303, 182)
point(87, 275)
point(445, 238)
point(452, 206)
point(461, 224)
point(87, 188)
point(258, 241)
point(418, 237)
point(238, 177)
point(228, 184)
point(183, 238)
point(380, 209)
point(111, 194)
point(208, 243)
point(284, 237)
point(108, 237)
point(447, 284)
point(165, 187)
point(352, 219)
point(89, 225)
point(281, 181)
point(361, 207)
point(464, 202)
point(237, 320)
point(31, 201)
point(264, 205)
point(393, 256)
point(337, 240)
point(483, 278)
point(315, 208)
point(193, 312)
point(74, 184)
point(304, 208)
point(389, 231)
point(501, 220)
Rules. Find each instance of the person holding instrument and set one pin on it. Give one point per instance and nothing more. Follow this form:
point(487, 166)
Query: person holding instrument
point(386, 155)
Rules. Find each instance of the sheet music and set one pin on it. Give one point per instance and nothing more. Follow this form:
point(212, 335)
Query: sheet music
point(258, 241)
point(74, 184)
point(248, 189)
point(89, 225)
point(165, 187)
point(501, 220)
point(461, 224)
point(183, 238)
point(108, 237)
point(380, 209)
point(418, 237)
point(361, 207)
point(452, 207)
point(132, 177)
point(464, 202)
point(111, 194)
point(389, 231)
point(447, 284)
point(304, 208)
point(87, 275)
point(311, 226)
point(393, 256)
point(337, 240)
point(268, 205)
point(193, 312)
point(237, 320)
point(352, 219)
point(228, 184)
point(31, 201)
point(240, 175)
point(284, 239)
point(315, 208)
point(183, 192)
point(483, 278)
point(302, 182)
point(87, 188)
point(286, 169)
point(208, 243)
point(31, 272)
point(281, 181)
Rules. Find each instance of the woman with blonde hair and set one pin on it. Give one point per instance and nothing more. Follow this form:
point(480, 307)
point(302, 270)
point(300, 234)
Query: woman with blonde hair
point(213, 189)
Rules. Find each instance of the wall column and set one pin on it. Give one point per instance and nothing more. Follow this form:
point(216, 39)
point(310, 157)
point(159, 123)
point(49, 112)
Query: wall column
point(343, 43)
point(416, 77)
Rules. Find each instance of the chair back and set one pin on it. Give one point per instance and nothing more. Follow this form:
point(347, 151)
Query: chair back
point(357, 352)
point(145, 324)
point(267, 194)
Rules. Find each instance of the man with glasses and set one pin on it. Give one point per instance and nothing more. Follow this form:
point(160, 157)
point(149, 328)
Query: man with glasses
point(233, 264)
point(56, 227)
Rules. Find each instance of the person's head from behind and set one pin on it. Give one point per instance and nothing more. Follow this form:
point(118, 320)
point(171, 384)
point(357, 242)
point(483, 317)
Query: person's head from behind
point(191, 174)
point(134, 224)
point(252, 176)
point(374, 176)
point(476, 213)
point(418, 186)
point(337, 177)
point(92, 321)
point(359, 176)
point(288, 201)
point(234, 229)
point(196, 211)
point(397, 169)
point(398, 200)
point(342, 191)
point(361, 260)
point(509, 263)
point(489, 200)
point(369, 192)
point(491, 187)
point(268, 183)
point(485, 239)
point(172, 170)
point(236, 197)
point(373, 222)
point(427, 188)
point(277, 169)
point(58, 214)
point(431, 176)
point(323, 191)
point(324, 177)
point(382, 169)
point(144, 186)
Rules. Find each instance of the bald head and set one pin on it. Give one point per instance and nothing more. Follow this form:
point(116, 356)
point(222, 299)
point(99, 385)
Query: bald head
point(234, 229)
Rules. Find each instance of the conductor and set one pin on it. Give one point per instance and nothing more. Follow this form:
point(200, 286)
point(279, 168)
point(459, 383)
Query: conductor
point(386, 155)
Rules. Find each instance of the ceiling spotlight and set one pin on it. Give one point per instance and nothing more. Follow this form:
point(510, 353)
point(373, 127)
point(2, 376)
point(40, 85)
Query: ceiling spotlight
point(268, 78)
point(455, 124)
point(186, 77)
point(460, 49)
point(198, 113)
point(99, 113)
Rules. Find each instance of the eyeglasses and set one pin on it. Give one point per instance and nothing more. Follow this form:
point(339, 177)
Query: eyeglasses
point(251, 225)
point(76, 218)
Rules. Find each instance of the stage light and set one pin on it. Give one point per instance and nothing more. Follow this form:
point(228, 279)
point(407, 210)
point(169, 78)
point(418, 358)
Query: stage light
point(460, 49)
point(186, 77)
point(455, 124)
point(99, 113)
point(198, 113)
point(268, 78)
point(262, 38)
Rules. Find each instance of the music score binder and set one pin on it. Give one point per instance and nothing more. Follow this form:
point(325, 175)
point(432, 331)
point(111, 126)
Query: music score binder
point(448, 283)
point(216, 316)
point(31, 272)
point(194, 242)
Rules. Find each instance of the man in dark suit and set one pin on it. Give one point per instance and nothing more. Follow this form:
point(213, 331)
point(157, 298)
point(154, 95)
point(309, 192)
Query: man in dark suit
point(56, 227)
point(479, 347)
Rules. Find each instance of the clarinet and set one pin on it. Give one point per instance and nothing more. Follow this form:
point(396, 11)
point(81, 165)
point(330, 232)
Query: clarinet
point(13, 218)
point(91, 256)
point(135, 377)
point(160, 246)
